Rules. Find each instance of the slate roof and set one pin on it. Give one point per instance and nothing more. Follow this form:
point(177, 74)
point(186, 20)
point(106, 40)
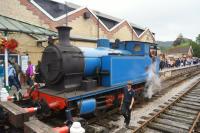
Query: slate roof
point(56, 9)
point(108, 22)
point(183, 50)
point(12, 25)
point(53, 8)
point(138, 31)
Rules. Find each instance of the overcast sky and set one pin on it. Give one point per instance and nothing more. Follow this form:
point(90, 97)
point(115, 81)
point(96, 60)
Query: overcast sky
point(167, 18)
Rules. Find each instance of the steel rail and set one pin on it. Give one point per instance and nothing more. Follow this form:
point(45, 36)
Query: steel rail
point(194, 123)
point(164, 109)
point(180, 81)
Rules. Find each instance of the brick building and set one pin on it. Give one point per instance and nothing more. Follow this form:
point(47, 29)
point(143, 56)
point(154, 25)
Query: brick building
point(88, 25)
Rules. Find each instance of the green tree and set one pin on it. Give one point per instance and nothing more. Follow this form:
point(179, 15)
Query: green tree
point(196, 49)
point(198, 39)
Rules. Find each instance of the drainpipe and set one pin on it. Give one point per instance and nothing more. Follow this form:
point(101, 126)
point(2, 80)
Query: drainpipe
point(132, 33)
point(98, 29)
point(98, 26)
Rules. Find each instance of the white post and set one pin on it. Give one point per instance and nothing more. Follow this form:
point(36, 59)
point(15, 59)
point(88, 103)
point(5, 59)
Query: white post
point(6, 65)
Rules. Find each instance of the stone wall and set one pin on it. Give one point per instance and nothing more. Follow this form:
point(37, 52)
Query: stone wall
point(147, 37)
point(124, 34)
point(28, 45)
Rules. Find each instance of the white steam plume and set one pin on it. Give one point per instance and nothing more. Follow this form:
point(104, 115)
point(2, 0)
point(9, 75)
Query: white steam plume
point(153, 84)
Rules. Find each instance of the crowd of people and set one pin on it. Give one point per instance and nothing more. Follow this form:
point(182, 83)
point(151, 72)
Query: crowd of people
point(177, 62)
point(15, 73)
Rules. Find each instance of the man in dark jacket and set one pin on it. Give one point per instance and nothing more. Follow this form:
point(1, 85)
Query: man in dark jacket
point(18, 71)
point(11, 76)
point(127, 103)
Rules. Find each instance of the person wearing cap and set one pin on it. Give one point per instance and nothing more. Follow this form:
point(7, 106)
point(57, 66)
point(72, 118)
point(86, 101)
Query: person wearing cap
point(127, 102)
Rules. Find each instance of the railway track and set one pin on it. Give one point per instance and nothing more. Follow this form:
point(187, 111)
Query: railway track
point(180, 116)
point(106, 123)
point(170, 82)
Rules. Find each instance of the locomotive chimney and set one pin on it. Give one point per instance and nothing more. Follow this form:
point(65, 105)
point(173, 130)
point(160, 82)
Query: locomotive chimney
point(64, 35)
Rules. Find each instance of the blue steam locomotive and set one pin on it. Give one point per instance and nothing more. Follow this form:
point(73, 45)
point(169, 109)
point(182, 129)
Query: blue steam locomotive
point(83, 80)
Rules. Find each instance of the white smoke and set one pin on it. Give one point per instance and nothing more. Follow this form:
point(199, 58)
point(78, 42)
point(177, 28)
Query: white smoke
point(153, 84)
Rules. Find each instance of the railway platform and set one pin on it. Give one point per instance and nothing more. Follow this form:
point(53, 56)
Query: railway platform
point(174, 72)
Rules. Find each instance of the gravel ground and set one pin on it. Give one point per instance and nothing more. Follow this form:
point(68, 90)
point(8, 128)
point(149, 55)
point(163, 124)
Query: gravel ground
point(149, 107)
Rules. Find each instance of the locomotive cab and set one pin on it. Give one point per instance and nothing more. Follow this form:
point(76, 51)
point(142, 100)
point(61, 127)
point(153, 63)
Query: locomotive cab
point(153, 50)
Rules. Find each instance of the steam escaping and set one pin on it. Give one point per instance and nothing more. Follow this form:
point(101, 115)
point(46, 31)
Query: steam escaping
point(153, 84)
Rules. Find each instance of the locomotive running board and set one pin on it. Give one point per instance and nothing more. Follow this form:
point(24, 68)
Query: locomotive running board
point(36, 126)
point(16, 115)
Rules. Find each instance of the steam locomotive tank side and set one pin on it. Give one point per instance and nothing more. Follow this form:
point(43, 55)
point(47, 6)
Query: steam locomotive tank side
point(129, 61)
point(92, 58)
